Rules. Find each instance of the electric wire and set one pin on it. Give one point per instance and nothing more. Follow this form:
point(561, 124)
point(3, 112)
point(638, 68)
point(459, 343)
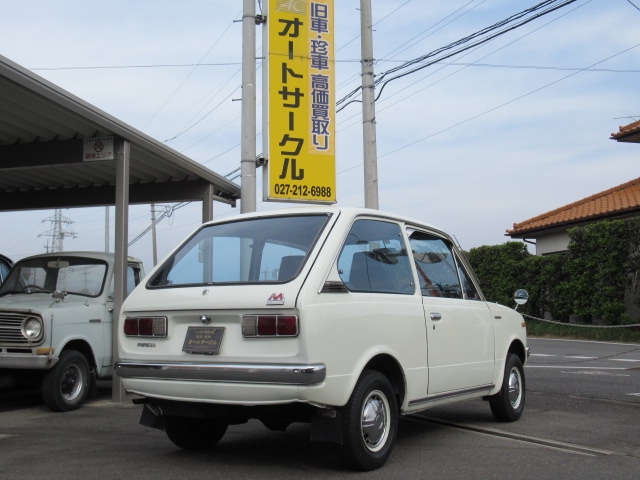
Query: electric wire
point(478, 38)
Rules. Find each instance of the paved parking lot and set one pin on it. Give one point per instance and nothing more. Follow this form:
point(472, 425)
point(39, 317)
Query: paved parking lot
point(555, 438)
point(561, 434)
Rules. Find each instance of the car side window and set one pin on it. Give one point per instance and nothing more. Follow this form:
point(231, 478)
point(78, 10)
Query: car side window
point(470, 291)
point(436, 266)
point(374, 259)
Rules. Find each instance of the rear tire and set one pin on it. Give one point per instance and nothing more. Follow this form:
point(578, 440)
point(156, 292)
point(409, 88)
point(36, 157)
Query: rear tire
point(508, 404)
point(65, 386)
point(193, 433)
point(369, 423)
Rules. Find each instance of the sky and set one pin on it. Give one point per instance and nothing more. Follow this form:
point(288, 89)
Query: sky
point(495, 135)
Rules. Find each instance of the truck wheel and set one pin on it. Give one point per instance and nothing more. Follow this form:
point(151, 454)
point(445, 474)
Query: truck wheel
point(369, 423)
point(507, 405)
point(193, 433)
point(65, 386)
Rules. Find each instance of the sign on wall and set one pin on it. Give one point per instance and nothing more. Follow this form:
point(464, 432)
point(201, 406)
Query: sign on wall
point(301, 101)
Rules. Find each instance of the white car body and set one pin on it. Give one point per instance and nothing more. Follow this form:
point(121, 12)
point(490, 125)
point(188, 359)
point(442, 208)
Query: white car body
point(432, 349)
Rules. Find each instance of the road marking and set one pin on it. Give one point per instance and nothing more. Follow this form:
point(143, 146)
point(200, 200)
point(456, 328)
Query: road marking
point(543, 442)
point(597, 372)
point(581, 357)
point(624, 360)
point(543, 355)
point(634, 394)
point(576, 368)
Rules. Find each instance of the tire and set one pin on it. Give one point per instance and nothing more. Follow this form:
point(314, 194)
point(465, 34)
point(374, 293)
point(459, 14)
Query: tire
point(369, 423)
point(193, 433)
point(65, 386)
point(508, 404)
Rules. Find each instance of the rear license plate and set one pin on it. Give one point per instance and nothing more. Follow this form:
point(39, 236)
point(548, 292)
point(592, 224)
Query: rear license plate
point(204, 340)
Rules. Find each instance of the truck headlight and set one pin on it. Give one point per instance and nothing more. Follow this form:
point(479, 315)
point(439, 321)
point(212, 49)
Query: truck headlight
point(32, 328)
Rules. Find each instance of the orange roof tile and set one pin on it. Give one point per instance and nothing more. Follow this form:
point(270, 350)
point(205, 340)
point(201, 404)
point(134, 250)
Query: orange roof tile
point(617, 201)
point(628, 133)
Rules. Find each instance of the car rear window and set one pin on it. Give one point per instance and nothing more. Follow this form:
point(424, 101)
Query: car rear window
point(269, 249)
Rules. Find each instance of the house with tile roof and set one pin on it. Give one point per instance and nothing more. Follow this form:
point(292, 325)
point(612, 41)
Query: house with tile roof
point(549, 230)
point(628, 133)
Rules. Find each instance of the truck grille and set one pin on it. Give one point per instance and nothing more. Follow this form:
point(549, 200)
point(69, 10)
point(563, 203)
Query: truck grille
point(11, 329)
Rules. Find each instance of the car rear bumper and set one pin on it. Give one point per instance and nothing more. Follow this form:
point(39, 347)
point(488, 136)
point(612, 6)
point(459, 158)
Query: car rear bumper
point(275, 374)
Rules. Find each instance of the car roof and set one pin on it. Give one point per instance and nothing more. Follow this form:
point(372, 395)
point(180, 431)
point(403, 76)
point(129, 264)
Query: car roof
point(351, 212)
point(105, 256)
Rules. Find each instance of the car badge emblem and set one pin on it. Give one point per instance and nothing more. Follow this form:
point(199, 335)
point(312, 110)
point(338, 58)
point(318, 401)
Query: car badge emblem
point(205, 291)
point(276, 299)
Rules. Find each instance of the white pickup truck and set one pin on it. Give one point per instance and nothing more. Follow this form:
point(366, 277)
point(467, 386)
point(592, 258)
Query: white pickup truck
point(56, 320)
point(343, 318)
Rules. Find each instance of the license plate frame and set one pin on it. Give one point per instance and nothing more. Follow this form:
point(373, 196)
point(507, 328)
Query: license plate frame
point(203, 340)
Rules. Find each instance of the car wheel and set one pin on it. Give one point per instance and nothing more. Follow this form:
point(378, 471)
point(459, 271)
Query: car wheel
point(193, 433)
point(65, 386)
point(369, 423)
point(507, 405)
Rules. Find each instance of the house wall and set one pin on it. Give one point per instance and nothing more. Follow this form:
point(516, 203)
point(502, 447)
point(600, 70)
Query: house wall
point(552, 243)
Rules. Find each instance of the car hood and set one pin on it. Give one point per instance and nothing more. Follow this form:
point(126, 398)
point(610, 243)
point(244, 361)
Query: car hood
point(40, 302)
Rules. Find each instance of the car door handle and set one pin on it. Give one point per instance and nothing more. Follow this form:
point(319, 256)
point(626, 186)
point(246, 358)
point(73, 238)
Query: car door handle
point(435, 316)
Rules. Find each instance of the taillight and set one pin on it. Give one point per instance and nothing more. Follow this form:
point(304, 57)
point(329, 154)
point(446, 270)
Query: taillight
point(269, 326)
point(145, 327)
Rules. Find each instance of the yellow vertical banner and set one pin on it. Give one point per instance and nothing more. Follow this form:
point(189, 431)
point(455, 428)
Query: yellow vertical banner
point(301, 101)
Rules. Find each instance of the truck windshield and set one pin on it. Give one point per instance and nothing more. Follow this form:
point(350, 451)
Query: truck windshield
point(270, 249)
point(74, 275)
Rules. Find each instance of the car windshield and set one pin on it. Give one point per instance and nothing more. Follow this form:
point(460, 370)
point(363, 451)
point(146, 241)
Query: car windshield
point(270, 249)
point(73, 275)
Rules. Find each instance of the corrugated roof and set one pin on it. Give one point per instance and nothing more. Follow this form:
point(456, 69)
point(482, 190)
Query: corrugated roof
point(628, 133)
point(42, 130)
point(618, 201)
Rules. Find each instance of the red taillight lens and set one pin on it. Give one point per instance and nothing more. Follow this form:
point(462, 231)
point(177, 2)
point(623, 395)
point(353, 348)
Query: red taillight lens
point(269, 326)
point(287, 325)
point(145, 327)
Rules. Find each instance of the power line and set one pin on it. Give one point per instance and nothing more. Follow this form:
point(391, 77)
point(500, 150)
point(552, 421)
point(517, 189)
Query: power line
point(478, 38)
point(121, 67)
point(496, 107)
point(635, 6)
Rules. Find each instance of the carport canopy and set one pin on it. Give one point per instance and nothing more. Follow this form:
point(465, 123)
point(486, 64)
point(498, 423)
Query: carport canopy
point(58, 151)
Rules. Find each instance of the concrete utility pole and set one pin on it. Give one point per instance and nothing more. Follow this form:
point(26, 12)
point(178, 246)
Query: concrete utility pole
point(248, 128)
point(368, 108)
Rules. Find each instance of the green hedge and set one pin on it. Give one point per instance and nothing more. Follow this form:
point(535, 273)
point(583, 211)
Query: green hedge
point(587, 284)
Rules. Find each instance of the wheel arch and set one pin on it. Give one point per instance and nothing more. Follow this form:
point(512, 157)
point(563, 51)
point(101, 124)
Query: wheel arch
point(390, 368)
point(83, 347)
point(517, 347)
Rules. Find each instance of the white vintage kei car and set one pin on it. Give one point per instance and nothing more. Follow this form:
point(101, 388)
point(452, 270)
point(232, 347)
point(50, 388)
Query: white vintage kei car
point(342, 318)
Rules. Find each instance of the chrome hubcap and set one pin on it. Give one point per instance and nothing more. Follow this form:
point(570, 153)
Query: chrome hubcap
point(515, 388)
point(375, 421)
point(71, 383)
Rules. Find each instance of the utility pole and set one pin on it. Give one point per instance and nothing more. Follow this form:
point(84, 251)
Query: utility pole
point(248, 127)
point(153, 234)
point(106, 229)
point(368, 108)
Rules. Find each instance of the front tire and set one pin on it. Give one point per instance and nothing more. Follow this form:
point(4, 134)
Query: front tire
point(65, 386)
point(508, 404)
point(369, 423)
point(193, 433)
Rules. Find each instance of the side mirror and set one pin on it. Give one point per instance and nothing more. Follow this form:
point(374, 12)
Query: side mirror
point(521, 296)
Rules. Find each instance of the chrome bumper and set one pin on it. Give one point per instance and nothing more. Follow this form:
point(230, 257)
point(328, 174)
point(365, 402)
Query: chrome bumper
point(281, 374)
point(27, 361)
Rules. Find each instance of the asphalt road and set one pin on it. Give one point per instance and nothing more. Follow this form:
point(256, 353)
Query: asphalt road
point(582, 420)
